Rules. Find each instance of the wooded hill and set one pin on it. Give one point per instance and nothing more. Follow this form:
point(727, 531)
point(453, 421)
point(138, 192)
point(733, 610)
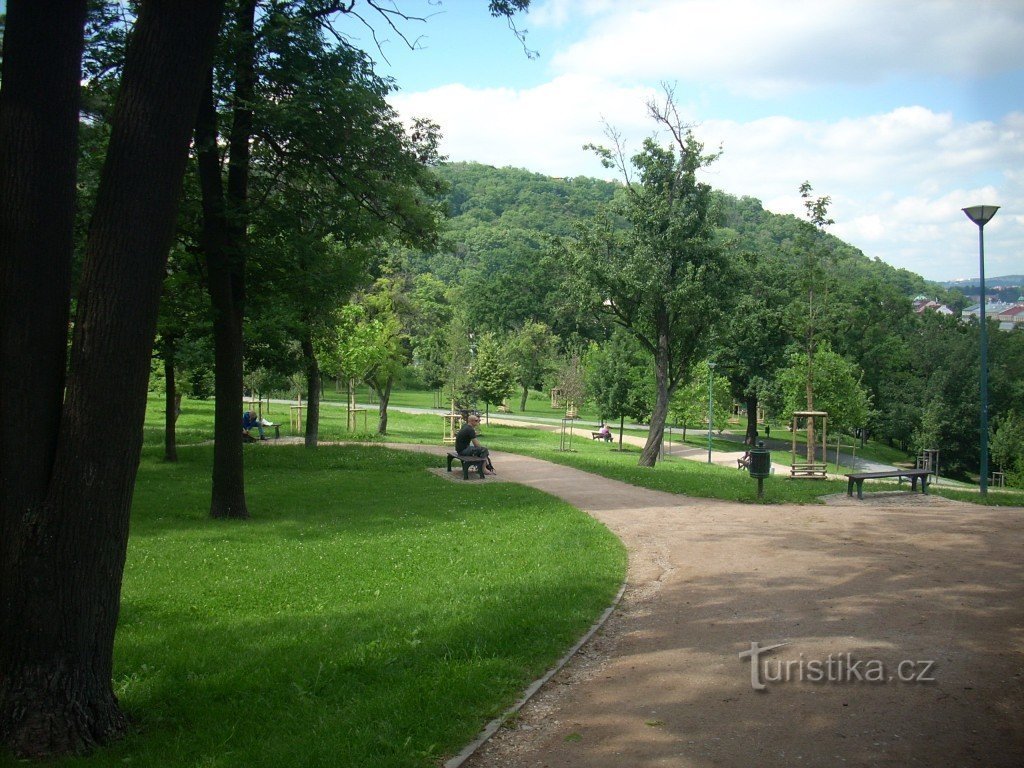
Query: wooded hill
point(501, 217)
point(500, 262)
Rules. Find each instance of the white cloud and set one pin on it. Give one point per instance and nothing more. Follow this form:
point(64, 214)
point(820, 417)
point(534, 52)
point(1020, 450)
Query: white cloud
point(897, 180)
point(763, 49)
point(898, 176)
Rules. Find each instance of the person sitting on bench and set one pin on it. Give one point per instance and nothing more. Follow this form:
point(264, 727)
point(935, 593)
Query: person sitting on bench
point(251, 419)
point(605, 433)
point(466, 443)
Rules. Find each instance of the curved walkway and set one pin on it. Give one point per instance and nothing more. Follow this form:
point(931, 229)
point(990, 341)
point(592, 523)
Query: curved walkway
point(854, 587)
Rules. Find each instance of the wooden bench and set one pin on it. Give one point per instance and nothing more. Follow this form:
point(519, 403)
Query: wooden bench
point(813, 471)
point(467, 462)
point(599, 436)
point(911, 474)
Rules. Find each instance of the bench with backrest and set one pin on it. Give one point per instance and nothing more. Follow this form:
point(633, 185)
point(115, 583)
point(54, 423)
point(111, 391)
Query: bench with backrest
point(607, 437)
point(467, 463)
point(911, 474)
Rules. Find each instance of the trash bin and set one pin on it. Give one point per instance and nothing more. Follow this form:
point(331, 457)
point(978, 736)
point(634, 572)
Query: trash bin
point(760, 461)
point(760, 466)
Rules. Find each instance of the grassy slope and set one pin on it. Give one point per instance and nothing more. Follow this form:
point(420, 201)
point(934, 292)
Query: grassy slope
point(370, 613)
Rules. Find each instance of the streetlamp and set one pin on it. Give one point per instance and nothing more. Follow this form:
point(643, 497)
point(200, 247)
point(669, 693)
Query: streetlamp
point(980, 215)
point(711, 405)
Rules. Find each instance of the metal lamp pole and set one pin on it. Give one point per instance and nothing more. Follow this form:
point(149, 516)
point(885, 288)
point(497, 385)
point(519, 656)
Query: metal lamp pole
point(980, 215)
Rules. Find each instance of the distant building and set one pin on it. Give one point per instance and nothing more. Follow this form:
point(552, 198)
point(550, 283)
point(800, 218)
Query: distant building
point(922, 303)
point(1009, 316)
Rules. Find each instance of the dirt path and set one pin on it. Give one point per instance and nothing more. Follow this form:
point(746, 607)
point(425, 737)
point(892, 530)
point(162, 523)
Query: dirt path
point(896, 578)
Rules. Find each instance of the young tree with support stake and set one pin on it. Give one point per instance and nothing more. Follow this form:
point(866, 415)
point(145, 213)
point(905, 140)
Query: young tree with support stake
point(662, 276)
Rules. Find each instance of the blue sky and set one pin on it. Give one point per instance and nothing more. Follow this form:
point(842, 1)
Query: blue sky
point(902, 111)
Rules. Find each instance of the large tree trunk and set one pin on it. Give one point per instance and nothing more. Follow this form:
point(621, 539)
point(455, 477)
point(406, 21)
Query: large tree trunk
point(312, 394)
point(656, 433)
point(171, 400)
point(225, 278)
point(226, 257)
point(39, 105)
point(522, 401)
point(752, 418)
point(66, 526)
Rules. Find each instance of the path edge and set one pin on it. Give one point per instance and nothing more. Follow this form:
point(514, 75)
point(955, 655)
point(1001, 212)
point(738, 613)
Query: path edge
point(492, 727)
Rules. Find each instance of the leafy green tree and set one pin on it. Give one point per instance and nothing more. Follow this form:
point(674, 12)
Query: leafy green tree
point(837, 389)
point(755, 335)
point(432, 314)
point(1007, 446)
point(389, 304)
point(689, 405)
point(358, 344)
point(617, 375)
point(663, 276)
point(532, 349)
point(492, 376)
point(945, 366)
point(814, 278)
point(182, 341)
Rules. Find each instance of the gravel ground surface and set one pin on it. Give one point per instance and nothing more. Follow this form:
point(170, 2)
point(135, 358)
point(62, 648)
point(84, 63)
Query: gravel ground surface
point(862, 593)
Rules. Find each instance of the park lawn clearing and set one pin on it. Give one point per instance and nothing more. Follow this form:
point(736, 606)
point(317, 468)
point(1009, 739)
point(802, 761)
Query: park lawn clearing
point(369, 614)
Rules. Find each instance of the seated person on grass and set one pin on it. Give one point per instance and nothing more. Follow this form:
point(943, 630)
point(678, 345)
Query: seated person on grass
point(466, 443)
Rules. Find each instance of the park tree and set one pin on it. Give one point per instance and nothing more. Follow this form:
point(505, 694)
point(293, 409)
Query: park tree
point(182, 336)
point(492, 375)
point(430, 329)
point(617, 375)
point(1008, 447)
point(755, 336)
point(388, 304)
point(66, 481)
point(292, 93)
point(662, 275)
point(838, 388)
point(690, 403)
point(814, 280)
point(532, 349)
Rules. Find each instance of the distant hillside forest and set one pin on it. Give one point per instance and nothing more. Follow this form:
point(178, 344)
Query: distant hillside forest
point(500, 219)
point(502, 270)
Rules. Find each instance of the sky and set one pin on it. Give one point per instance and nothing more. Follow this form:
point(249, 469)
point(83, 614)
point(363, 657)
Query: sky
point(903, 112)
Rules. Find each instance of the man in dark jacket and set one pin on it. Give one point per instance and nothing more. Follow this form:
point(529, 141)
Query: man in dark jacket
point(466, 443)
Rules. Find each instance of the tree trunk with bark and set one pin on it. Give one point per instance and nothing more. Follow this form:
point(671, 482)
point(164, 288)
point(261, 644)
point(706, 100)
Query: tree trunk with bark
point(171, 400)
point(225, 220)
point(313, 385)
point(752, 419)
point(384, 396)
point(656, 432)
point(522, 401)
point(65, 525)
point(226, 288)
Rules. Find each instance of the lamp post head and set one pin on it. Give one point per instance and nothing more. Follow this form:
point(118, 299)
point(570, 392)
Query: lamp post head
point(980, 214)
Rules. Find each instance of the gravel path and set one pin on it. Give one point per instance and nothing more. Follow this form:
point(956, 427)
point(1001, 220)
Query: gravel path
point(853, 588)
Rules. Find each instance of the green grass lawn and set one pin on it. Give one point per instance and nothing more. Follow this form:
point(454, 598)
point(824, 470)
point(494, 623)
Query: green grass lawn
point(369, 614)
point(673, 475)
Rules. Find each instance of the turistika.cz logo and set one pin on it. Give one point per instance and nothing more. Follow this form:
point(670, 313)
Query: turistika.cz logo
point(839, 668)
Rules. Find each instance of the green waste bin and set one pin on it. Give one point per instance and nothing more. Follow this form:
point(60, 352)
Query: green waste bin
point(760, 461)
point(760, 466)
